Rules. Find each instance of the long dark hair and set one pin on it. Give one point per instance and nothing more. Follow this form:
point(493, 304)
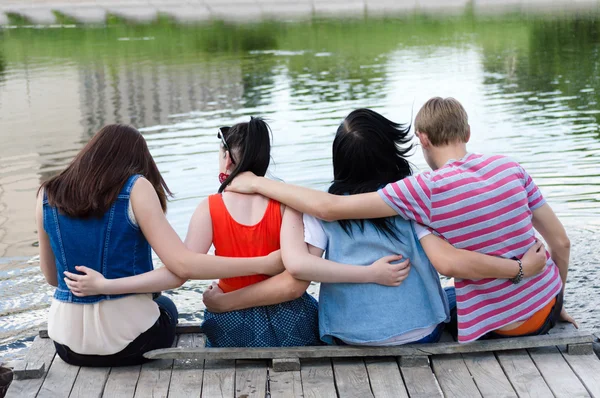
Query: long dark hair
point(251, 144)
point(369, 152)
point(94, 179)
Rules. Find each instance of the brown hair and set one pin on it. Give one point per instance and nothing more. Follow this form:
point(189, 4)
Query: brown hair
point(94, 179)
point(444, 120)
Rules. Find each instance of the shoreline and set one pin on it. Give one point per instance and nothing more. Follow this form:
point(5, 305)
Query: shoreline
point(64, 12)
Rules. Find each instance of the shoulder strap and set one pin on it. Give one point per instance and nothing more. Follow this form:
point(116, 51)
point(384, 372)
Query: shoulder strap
point(129, 184)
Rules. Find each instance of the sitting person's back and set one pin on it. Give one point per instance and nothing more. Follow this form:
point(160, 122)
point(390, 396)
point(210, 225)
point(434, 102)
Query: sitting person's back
point(85, 217)
point(372, 314)
point(249, 226)
point(244, 226)
point(485, 204)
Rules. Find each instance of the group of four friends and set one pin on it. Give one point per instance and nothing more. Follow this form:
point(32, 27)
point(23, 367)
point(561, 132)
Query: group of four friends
point(376, 242)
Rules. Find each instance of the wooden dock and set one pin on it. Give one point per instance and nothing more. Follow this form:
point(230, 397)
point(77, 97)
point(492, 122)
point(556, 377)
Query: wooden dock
point(542, 369)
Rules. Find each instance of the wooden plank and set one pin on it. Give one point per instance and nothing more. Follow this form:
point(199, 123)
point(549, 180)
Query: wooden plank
point(154, 379)
point(385, 377)
point(557, 373)
point(250, 379)
point(286, 384)
point(488, 375)
point(186, 379)
point(59, 380)
point(40, 350)
point(219, 379)
point(453, 376)
point(587, 370)
point(353, 351)
point(351, 378)
point(523, 374)
point(420, 381)
point(285, 365)
point(90, 383)
point(122, 381)
point(317, 378)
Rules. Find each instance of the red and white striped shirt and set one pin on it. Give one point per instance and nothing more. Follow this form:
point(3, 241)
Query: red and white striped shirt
point(484, 204)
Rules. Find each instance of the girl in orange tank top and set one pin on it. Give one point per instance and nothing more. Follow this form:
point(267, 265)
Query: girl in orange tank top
point(286, 320)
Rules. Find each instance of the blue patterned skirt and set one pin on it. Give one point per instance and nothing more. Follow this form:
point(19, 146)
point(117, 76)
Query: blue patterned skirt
point(290, 324)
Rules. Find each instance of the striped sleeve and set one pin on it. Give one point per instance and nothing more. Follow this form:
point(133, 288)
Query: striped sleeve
point(410, 197)
point(535, 198)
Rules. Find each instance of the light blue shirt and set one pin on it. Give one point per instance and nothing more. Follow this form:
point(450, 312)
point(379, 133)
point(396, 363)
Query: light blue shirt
point(373, 314)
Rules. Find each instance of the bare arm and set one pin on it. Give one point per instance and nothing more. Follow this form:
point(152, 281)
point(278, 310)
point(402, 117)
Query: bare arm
point(91, 282)
point(459, 263)
point(553, 232)
point(322, 205)
point(305, 265)
point(177, 258)
point(277, 289)
point(47, 260)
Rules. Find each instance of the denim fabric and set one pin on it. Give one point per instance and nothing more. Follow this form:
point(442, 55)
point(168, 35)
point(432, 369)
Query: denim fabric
point(160, 335)
point(434, 337)
point(111, 244)
point(367, 313)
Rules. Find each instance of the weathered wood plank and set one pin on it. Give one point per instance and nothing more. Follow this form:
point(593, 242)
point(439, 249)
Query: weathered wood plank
point(352, 351)
point(59, 380)
point(219, 379)
point(286, 384)
point(488, 375)
point(250, 379)
point(420, 381)
point(40, 350)
point(121, 382)
point(557, 373)
point(285, 365)
point(453, 376)
point(385, 377)
point(186, 379)
point(317, 378)
point(154, 379)
point(351, 378)
point(90, 383)
point(523, 375)
point(587, 369)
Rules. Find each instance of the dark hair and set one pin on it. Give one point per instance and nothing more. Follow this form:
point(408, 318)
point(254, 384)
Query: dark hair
point(251, 143)
point(92, 182)
point(368, 153)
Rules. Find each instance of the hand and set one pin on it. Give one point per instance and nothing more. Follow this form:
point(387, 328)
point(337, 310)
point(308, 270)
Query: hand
point(273, 264)
point(565, 317)
point(534, 261)
point(243, 183)
point(213, 298)
point(388, 274)
point(91, 283)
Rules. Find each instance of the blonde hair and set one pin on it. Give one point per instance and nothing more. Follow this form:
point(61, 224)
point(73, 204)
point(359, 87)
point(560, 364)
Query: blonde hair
point(444, 120)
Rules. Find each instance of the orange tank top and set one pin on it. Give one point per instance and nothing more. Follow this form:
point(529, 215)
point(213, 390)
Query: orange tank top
point(232, 239)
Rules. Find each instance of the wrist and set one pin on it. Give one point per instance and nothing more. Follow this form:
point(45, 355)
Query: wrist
point(369, 274)
point(519, 275)
point(256, 184)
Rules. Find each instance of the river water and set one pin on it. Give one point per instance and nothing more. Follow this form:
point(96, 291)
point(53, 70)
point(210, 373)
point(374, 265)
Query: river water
point(529, 83)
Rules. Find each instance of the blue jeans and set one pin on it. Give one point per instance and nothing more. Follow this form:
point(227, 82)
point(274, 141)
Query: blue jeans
point(160, 335)
point(434, 337)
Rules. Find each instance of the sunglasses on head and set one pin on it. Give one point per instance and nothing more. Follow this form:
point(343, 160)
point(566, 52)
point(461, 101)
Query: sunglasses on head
point(221, 135)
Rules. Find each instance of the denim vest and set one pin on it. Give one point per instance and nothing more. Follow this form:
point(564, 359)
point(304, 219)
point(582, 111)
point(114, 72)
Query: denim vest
point(367, 312)
point(112, 245)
